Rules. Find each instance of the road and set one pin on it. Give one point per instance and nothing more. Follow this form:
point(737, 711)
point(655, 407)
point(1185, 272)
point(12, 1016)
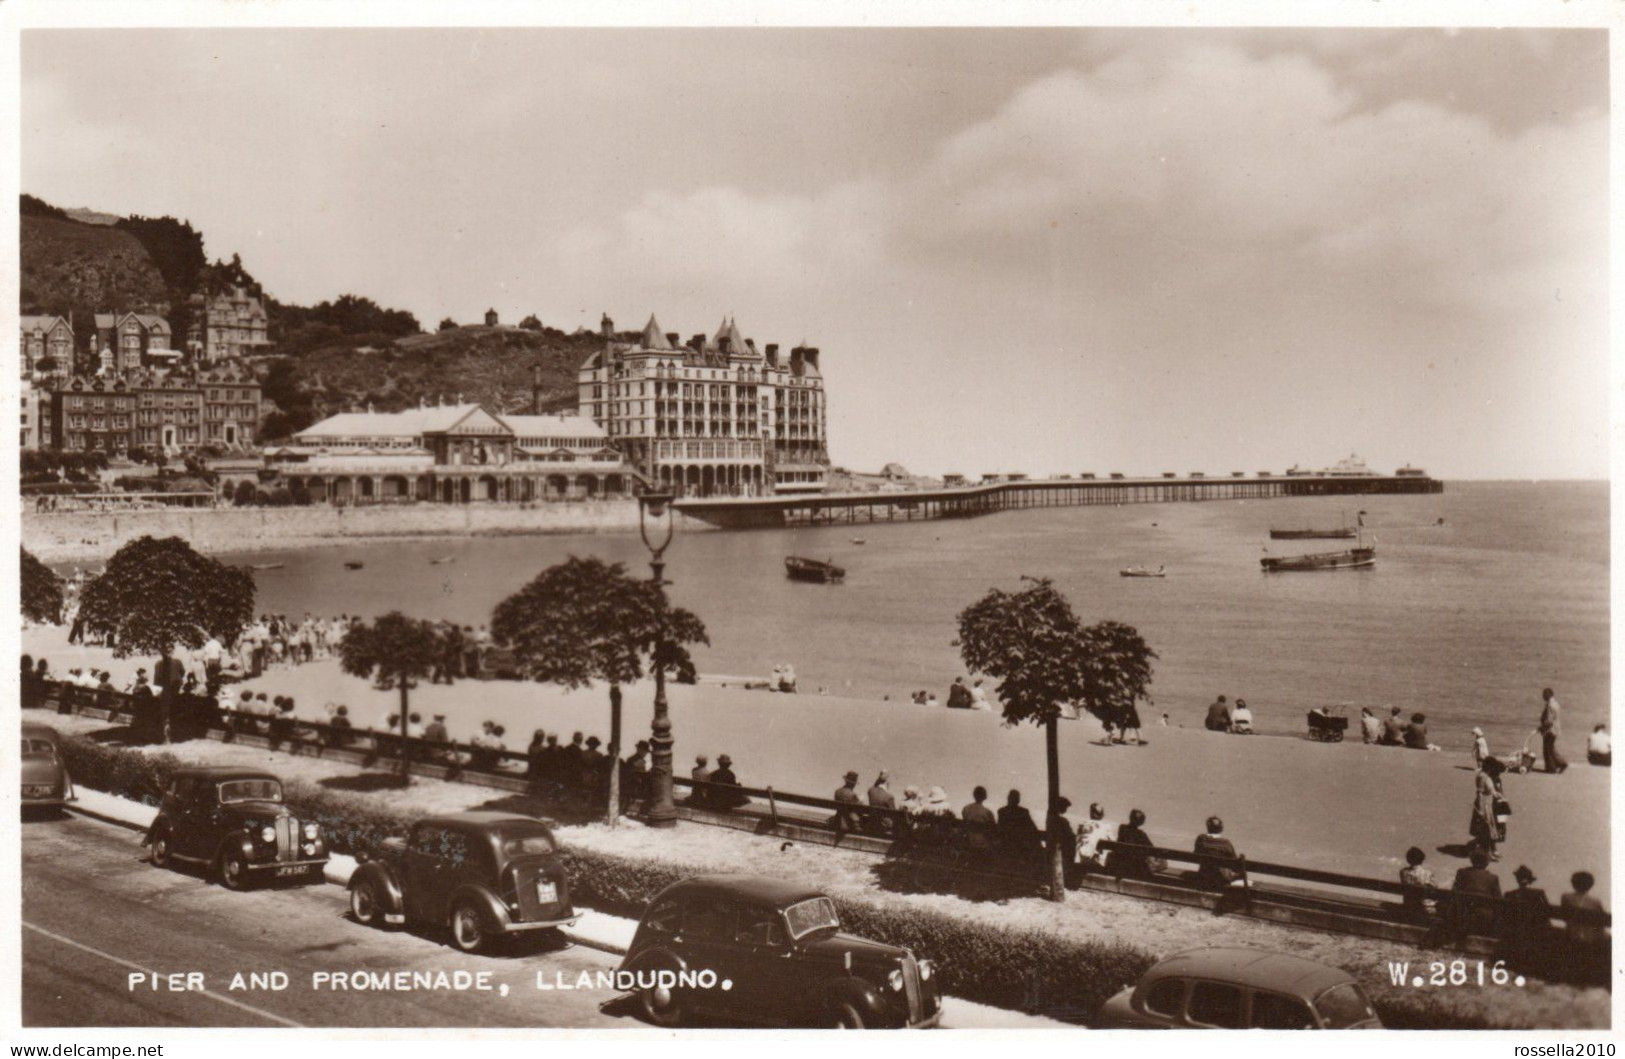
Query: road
point(94, 913)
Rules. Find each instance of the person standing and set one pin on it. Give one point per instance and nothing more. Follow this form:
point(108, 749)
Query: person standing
point(1481, 748)
point(1484, 828)
point(1550, 728)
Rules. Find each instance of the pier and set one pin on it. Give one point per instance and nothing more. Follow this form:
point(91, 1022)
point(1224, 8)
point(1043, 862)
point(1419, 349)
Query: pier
point(819, 509)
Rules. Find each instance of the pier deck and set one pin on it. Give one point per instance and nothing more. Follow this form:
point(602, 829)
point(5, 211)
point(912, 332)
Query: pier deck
point(971, 500)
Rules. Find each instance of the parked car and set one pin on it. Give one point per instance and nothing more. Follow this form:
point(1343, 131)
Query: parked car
point(46, 784)
point(1233, 988)
point(776, 955)
point(232, 820)
point(481, 875)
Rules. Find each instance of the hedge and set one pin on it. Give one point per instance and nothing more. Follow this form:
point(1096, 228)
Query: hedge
point(1024, 970)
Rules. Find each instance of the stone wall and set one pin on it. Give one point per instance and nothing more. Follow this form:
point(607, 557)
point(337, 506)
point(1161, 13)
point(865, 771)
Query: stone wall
point(60, 536)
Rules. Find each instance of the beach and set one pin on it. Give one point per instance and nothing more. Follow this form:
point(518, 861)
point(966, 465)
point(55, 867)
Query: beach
point(1343, 807)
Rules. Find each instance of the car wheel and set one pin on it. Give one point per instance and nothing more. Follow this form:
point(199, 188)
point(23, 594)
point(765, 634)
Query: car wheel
point(467, 927)
point(162, 856)
point(664, 1006)
point(844, 1015)
point(365, 906)
point(233, 872)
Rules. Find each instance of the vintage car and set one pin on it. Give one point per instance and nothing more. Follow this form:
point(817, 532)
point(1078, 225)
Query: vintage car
point(1234, 988)
point(481, 875)
point(769, 950)
point(46, 784)
point(232, 821)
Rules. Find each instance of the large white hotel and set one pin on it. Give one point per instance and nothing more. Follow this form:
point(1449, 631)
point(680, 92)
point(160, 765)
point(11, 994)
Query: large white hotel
point(711, 417)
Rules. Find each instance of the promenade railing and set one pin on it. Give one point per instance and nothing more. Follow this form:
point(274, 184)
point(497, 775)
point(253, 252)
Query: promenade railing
point(931, 851)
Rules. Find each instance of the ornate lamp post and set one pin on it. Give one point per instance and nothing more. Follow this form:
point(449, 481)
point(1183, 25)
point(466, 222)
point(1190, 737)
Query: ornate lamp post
point(655, 507)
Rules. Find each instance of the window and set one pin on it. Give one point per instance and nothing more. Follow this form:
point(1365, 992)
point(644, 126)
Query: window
point(1272, 1011)
point(759, 926)
point(709, 918)
point(1167, 997)
point(1344, 1005)
point(1215, 1004)
point(266, 790)
point(664, 917)
point(808, 916)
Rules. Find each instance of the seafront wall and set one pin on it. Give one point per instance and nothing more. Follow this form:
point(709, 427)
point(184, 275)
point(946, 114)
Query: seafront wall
point(77, 536)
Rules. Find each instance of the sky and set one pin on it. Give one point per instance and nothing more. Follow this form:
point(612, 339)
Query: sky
point(1050, 250)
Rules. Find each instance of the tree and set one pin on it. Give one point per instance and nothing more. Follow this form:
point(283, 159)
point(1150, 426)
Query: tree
point(531, 323)
point(157, 594)
point(396, 652)
point(1044, 659)
point(245, 493)
point(447, 324)
point(585, 621)
point(41, 590)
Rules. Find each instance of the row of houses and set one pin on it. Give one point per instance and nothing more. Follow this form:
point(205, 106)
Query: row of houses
point(157, 410)
point(226, 325)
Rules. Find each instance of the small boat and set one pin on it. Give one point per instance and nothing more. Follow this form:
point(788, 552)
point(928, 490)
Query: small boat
point(443, 559)
point(1140, 571)
point(1342, 533)
point(266, 566)
point(1353, 559)
point(814, 570)
point(859, 540)
point(354, 565)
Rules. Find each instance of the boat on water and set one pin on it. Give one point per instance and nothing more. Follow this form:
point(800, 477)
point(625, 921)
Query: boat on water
point(859, 540)
point(1140, 571)
point(1351, 559)
point(443, 559)
point(354, 565)
point(1341, 533)
point(266, 566)
point(815, 570)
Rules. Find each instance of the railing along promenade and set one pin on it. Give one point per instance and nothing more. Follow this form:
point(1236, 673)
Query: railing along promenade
point(922, 852)
point(985, 498)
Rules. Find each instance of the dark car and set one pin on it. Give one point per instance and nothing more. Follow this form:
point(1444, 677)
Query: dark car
point(46, 784)
point(481, 875)
point(232, 821)
point(767, 950)
point(1234, 988)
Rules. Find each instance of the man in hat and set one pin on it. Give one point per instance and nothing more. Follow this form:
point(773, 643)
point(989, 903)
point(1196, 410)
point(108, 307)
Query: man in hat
point(1528, 923)
point(701, 774)
point(847, 794)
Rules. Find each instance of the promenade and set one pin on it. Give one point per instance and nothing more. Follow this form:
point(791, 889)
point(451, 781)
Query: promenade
point(1341, 807)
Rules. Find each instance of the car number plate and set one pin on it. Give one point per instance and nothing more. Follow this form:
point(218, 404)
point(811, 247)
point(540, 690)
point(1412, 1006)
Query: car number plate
point(547, 893)
point(290, 871)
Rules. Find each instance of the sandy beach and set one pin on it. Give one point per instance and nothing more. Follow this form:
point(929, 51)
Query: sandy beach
point(1343, 807)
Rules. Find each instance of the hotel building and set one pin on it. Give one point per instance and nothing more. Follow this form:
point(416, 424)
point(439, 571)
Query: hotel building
point(712, 417)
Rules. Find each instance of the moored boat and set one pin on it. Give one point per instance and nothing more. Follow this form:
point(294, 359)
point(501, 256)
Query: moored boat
point(265, 566)
point(354, 565)
point(815, 570)
point(1342, 533)
point(1352, 559)
point(1140, 571)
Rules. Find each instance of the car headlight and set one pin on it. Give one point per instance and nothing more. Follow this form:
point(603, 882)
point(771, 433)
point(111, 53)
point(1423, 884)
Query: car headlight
point(310, 849)
point(925, 970)
point(268, 833)
point(895, 979)
point(310, 831)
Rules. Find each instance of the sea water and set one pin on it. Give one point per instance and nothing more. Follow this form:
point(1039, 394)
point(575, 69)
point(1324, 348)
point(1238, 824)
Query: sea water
point(1464, 620)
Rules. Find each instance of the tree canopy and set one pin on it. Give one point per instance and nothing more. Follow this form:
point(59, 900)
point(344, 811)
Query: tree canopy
point(41, 590)
point(586, 620)
point(157, 593)
point(395, 651)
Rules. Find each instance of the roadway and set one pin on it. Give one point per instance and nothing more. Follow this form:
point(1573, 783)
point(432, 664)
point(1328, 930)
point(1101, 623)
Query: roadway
point(94, 912)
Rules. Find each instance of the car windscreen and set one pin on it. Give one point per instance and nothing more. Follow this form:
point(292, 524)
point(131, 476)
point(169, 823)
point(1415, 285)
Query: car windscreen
point(523, 843)
point(38, 746)
point(1344, 1005)
point(817, 913)
point(250, 791)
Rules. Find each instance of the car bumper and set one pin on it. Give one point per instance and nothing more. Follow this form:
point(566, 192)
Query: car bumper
point(54, 801)
point(290, 865)
point(520, 926)
point(929, 1022)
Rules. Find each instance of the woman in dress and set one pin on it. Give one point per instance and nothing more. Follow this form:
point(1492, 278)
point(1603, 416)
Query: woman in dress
point(1484, 828)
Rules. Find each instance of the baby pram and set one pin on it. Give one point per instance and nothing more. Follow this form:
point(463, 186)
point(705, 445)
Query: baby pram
point(1524, 759)
point(1327, 724)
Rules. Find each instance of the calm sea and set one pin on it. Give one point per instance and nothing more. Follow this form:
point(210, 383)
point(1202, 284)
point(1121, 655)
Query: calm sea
point(1464, 621)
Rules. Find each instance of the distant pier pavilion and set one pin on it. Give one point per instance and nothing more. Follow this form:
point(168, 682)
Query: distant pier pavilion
point(988, 497)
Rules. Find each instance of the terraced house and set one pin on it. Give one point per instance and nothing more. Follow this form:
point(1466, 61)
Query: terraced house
point(712, 417)
point(127, 342)
point(160, 411)
point(46, 346)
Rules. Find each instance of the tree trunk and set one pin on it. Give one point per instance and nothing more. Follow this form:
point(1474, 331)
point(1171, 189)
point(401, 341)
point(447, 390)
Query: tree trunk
point(1052, 755)
point(406, 748)
point(614, 754)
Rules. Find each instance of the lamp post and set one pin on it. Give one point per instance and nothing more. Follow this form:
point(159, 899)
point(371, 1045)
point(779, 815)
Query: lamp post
point(656, 507)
